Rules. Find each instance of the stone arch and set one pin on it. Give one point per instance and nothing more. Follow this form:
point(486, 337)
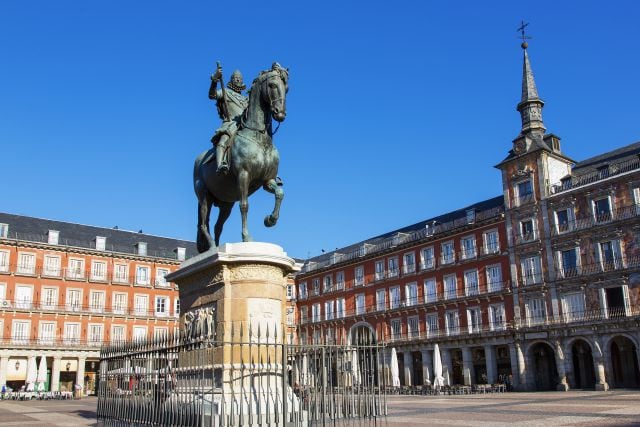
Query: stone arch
point(358, 331)
point(364, 359)
point(580, 358)
point(623, 354)
point(542, 359)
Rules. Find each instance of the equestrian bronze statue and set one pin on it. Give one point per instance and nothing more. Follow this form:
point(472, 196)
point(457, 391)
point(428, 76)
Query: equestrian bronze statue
point(252, 158)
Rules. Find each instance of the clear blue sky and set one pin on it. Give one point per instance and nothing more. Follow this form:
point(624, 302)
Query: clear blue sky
point(397, 111)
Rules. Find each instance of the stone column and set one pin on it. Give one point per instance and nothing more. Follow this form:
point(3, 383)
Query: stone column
point(427, 366)
point(408, 368)
point(447, 366)
point(519, 380)
point(490, 360)
point(560, 364)
point(4, 365)
point(55, 373)
point(601, 380)
point(467, 366)
point(80, 375)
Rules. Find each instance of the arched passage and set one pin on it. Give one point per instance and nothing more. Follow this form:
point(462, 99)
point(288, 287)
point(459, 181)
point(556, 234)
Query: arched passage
point(363, 338)
point(624, 362)
point(583, 372)
point(545, 373)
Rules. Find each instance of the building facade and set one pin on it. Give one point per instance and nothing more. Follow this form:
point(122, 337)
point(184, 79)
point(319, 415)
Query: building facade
point(537, 288)
point(65, 289)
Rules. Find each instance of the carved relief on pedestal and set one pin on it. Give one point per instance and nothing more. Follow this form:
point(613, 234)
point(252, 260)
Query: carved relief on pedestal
point(200, 322)
point(257, 272)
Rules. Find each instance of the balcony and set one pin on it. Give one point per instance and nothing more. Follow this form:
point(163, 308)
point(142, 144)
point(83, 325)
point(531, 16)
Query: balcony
point(523, 200)
point(619, 214)
point(447, 258)
point(526, 238)
point(50, 342)
point(614, 169)
point(467, 254)
point(529, 279)
point(408, 269)
point(428, 264)
point(76, 308)
point(604, 266)
point(490, 250)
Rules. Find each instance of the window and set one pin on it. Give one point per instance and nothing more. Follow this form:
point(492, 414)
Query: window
point(527, 232)
point(494, 278)
point(411, 294)
point(317, 338)
point(491, 242)
point(75, 270)
point(99, 270)
point(450, 286)
point(302, 290)
point(497, 317)
point(328, 310)
point(430, 294)
point(427, 258)
point(51, 266)
point(360, 307)
point(20, 333)
point(162, 306)
point(451, 322)
point(139, 333)
point(564, 220)
point(316, 286)
point(568, 262)
point(392, 263)
point(340, 280)
point(409, 263)
point(117, 333)
point(4, 261)
point(142, 275)
point(448, 255)
point(396, 329)
point(74, 300)
point(340, 308)
point(412, 327)
point(142, 248)
point(49, 298)
point(291, 317)
point(181, 253)
point(531, 270)
point(394, 297)
point(141, 304)
point(119, 303)
point(525, 192)
point(315, 312)
point(47, 333)
point(432, 325)
point(289, 292)
point(536, 311)
point(474, 320)
point(160, 332)
point(176, 307)
point(121, 273)
point(359, 275)
point(53, 237)
point(161, 273)
point(468, 247)
point(602, 209)
point(471, 216)
point(381, 299)
point(471, 282)
point(24, 296)
point(101, 243)
point(609, 255)
point(71, 333)
point(379, 269)
point(304, 314)
point(95, 334)
point(4, 231)
point(573, 307)
point(3, 295)
point(26, 263)
point(328, 284)
point(96, 301)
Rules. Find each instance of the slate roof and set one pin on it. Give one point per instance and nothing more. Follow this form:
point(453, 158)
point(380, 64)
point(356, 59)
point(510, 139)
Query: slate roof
point(618, 155)
point(83, 236)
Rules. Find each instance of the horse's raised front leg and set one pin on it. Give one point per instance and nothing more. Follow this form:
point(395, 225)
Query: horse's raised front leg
point(223, 215)
point(204, 239)
point(274, 187)
point(243, 185)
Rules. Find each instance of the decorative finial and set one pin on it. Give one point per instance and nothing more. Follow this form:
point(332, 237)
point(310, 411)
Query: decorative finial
point(523, 36)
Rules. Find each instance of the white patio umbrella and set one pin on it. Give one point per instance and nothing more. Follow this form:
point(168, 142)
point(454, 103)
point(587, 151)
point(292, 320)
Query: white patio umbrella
point(438, 379)
point(395, 371)
point(355, 368)
point(305, 369)
point(32, 373)
point(42, 373)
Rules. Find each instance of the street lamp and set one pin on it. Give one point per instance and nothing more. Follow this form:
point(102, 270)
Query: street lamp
point(17, 365)
point(68, 366)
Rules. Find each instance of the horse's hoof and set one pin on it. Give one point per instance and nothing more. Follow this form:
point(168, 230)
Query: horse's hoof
point(269, 221)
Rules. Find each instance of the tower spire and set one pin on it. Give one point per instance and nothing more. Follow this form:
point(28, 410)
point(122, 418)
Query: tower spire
point(530, 106)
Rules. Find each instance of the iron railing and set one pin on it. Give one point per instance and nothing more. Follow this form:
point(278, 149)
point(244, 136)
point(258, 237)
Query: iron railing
point(599, 175)
point(68, 308)
point(241, 378)
point(619, 214)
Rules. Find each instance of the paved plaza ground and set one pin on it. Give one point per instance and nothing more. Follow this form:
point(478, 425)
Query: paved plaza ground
point(574, 408)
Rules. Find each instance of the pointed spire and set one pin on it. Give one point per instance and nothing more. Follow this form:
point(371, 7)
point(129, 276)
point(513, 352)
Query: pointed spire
point(529, 90)
point(530, 106)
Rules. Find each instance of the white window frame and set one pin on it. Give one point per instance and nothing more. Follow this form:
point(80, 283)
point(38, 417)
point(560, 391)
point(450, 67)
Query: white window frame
point(452, 316)
point(531, 267)
point(618, 261)
point(430, 297)
point(24, 267)
point(315, 285)
point(413, 327)
point(396, 329)
point(167, 303)
point(340, 308)
point(379, 269)
point(497, 317)
point(474, 320)
point(361, 304)
point(492, 284)
point(121, 335)
point(429, 322)
point(339, 284)
point(120, 272)
point(47, 332)
point(71, 338)
point(302, 290)
point(411, 294)
point(381, 299)
point(427, 262)
point(395, 297)
point(101, 243)
point(50, 270)
point(409, 263)
point(358, 276)
point(393, 267)
point(97, 305)
point(24, 303)
point(570, 220)
point(143, 279)
point(471, 287)
point(329, 310)
point(597, 218)
point(92, 337)
point(448, 253)
point(96, 274)
point(160, 280)
point(316, 313)
point(536, 315)
point(468, 251)
point(52, 304)
point(75, 269)
point(137, 335)
point(489, 246)
point(5, 259)
point(21, 335)
point(327, 283)
point(73, 299)
point(570, 312)
point(117, 308)
point(450, 293)
point(140, 309)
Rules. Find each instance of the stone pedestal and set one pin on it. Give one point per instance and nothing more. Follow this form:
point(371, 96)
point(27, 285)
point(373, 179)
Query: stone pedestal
point(235, 297)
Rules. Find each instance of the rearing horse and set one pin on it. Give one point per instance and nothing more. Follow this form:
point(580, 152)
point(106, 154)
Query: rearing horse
point(253, 161)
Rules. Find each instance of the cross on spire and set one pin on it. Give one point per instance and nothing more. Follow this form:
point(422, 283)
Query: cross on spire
point(523, 36)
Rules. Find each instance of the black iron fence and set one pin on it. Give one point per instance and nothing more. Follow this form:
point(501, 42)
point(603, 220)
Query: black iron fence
point(248, 377)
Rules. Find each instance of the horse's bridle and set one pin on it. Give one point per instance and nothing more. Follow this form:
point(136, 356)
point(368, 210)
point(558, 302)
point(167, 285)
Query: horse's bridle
point(271, 103)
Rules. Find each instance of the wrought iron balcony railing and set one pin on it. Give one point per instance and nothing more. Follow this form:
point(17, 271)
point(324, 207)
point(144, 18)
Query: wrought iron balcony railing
point(619, 214)
point(28, 305)
point(578, 181)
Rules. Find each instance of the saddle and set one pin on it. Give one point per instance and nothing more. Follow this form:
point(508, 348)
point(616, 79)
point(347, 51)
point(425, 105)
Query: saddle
point(211, 152)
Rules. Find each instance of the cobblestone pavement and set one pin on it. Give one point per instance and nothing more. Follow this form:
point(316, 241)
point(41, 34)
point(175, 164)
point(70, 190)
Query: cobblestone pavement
point(573, 408)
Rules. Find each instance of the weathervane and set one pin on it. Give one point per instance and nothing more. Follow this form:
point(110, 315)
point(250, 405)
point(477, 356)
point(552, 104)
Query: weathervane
point(523, 36)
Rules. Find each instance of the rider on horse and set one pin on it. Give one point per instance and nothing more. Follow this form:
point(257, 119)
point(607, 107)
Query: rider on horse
point(231, 105)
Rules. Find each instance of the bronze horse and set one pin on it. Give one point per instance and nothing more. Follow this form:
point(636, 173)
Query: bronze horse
point(253, 161)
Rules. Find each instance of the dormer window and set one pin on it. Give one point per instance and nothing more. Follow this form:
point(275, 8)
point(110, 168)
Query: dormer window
point(4, 230)
point(181, 253)
point(53, 237)
point(141, 248)
point(101, 243)
point(471, 216)
point(603, 171)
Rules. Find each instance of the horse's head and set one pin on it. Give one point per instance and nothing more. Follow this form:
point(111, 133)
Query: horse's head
point(274, 87)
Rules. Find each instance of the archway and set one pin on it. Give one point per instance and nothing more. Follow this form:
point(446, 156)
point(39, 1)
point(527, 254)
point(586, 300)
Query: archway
point(584, 374)
point(624, 362)
point(545, 373)
point(362, 336)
